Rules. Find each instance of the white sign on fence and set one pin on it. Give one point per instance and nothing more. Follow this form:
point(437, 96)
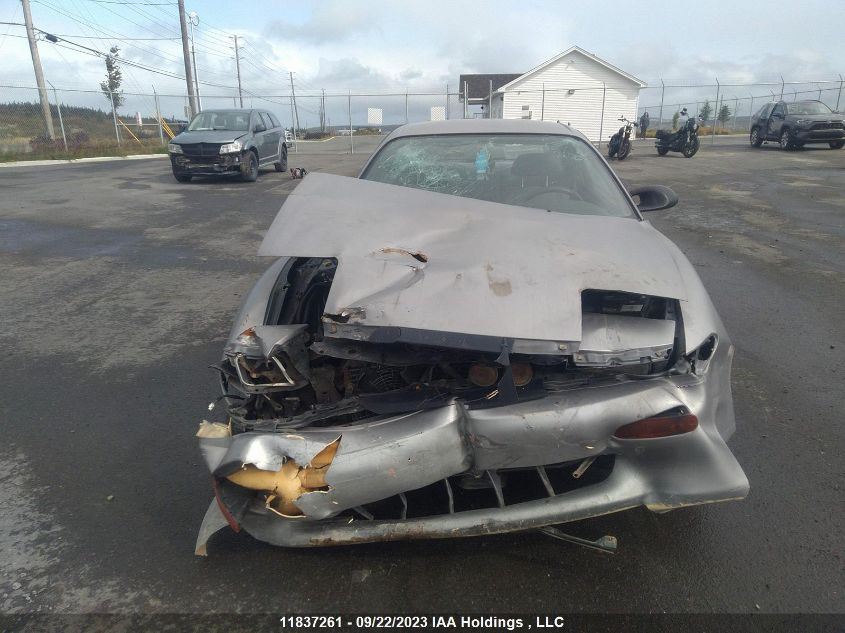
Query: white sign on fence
point(438, 113)
point(375, 116)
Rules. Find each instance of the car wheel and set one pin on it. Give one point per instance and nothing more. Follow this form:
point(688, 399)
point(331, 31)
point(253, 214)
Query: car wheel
point(837, 144)
point(249, 167)
point(181, 176)
point(662, 151)
point(282, 165)
point(756, 140)
point(786, 141)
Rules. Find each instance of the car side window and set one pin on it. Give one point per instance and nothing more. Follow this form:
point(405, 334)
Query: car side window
point(272, 118)
point(779, 110)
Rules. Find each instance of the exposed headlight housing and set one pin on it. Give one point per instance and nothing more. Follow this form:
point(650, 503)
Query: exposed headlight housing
point(173, 148)
point(231, 148)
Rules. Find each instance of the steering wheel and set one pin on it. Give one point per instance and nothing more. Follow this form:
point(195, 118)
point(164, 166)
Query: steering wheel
point(528, 196)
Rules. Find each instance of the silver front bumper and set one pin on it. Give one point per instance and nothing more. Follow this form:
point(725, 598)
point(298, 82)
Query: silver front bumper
point(393, 455)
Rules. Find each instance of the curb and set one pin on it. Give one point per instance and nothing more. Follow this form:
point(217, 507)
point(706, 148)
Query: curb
point(322, 140)
point(70, 161)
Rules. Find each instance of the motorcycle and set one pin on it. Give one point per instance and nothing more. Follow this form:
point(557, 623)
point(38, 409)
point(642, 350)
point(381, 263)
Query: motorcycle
point(684, 140)
point(620, 143)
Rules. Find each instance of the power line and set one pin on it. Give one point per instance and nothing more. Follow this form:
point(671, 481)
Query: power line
point(95, 53)
point(119, 37)
point(72, 17)
point(151, 4)
point(14, 13)
point(122, 39)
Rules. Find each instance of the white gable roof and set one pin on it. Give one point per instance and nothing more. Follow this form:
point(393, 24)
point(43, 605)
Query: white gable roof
point(574, 49)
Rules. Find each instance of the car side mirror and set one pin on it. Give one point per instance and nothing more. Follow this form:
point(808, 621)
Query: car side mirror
point(653, 197)
point(259, 128)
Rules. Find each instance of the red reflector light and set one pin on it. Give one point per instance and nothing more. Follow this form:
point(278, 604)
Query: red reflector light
point(658, 426)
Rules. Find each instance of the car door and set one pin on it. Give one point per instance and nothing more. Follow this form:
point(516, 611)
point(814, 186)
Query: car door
point(760, 120)
point(278, 132)
point(258, 135)
point(274, 133)
point(269, 142)
point(776, 121)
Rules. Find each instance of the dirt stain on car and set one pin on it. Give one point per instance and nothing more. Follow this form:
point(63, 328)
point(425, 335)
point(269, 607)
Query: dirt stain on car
point(500, 287)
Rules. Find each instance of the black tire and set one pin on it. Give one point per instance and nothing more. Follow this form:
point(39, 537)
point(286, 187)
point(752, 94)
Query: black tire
point(691, 148)
point(786, 141)
point(249, 167)
point(755, 139)
point(624, 149)
point(282, 165)
point(662, 151)
point(182, 176)
point(611, 152)
point(837, 144)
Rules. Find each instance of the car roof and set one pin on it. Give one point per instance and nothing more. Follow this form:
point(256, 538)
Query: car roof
point(232, 110)
point(483, 126)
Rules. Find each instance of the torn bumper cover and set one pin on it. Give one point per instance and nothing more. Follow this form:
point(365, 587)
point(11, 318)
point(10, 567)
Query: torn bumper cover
point(380, 458)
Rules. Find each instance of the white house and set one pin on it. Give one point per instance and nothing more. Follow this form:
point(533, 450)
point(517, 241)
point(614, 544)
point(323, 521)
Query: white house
point(575, 87)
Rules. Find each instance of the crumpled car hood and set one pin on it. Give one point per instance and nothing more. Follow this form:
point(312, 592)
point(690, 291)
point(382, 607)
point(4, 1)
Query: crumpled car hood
point(417, 259)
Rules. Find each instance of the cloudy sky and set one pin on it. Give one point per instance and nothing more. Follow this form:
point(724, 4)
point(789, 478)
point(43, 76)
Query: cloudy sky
point(379, 46)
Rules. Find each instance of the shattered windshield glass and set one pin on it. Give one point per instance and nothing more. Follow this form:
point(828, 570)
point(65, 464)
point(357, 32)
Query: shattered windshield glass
point(554, 172)
point(233, 120)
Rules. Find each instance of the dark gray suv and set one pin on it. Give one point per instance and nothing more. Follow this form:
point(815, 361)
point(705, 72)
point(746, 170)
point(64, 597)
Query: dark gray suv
point(228, 142)
point(796, 123)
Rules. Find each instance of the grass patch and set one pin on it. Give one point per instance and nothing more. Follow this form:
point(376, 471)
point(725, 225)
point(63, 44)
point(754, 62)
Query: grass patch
point(88, 150)
point(703, 131)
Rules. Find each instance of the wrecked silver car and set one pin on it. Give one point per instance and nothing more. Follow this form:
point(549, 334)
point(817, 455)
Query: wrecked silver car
point(478, 335)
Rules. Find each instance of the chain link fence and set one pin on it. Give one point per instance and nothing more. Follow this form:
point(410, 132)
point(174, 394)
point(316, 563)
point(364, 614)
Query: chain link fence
point(84, 124)
point(742, 101)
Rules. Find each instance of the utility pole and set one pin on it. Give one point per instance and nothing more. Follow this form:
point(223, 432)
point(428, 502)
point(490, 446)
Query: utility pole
point(39, 74)
point(59, 110)
point(194, 19)
point(323, 112)
point(186, 55)
point(716, 112)
point(238, 68)
point(293, 98)
point(158, 117)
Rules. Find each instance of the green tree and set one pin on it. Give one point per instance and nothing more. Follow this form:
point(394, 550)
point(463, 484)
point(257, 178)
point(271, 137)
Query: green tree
point(114, 79)
point(675, 118)
point(706, 110)
point(724, 114)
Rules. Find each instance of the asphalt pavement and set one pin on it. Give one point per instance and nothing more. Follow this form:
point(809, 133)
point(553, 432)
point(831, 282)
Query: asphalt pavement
point(117, 289)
